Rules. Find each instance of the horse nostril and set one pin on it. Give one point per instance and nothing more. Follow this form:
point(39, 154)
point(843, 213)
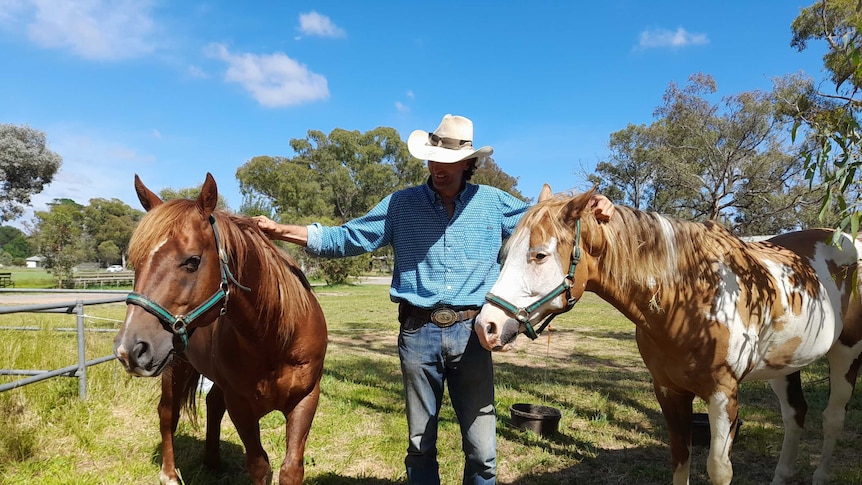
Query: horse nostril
point(139, 356)
point(491, 329)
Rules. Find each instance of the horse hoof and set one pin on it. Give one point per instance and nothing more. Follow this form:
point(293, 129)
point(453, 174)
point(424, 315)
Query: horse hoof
point(164, 479)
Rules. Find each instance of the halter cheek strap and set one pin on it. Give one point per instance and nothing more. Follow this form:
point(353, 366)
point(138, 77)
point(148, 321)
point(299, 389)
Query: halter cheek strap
point(179, 324)
point(524, 314)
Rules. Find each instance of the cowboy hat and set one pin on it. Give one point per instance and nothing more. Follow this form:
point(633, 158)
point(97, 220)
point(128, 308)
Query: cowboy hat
point(451, 142)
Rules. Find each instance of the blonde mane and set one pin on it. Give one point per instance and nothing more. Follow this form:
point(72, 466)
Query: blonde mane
point(635, 247)
point(281, 291)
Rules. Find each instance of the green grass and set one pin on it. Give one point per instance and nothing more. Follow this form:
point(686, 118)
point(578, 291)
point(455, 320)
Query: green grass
point(31, 277)
point(611, 431)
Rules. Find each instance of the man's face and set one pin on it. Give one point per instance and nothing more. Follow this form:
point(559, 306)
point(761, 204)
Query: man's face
point(446, 177)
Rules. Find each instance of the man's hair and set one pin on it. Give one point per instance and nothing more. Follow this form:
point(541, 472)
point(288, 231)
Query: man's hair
point(472, 164)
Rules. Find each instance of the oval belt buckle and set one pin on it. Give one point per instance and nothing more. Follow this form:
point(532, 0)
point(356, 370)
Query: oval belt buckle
point(444, 317)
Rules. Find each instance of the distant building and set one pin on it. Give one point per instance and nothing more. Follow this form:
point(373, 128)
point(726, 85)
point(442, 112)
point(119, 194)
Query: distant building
point(34, 261)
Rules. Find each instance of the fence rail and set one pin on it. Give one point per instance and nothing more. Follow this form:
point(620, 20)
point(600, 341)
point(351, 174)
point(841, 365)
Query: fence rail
point(78, 369)
point(102, 279)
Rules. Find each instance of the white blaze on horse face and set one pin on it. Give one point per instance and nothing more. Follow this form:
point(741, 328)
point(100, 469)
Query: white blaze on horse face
point(529, 273)
point(132, 310)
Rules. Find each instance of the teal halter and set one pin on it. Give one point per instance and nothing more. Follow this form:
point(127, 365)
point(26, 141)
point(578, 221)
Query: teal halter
point(523, 314)
point(178, 324)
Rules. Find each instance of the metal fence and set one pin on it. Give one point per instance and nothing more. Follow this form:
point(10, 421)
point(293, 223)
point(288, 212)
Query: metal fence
point(78, 369)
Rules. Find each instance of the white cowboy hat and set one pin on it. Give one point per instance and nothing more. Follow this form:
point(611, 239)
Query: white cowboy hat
point(451, 142)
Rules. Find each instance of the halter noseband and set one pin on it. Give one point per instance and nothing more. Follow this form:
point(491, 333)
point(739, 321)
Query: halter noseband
point(178, 324)
point(523, 314)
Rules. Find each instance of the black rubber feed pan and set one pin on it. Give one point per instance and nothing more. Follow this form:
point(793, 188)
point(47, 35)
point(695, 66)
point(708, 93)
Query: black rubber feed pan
point(542, 420)
point(700, 432)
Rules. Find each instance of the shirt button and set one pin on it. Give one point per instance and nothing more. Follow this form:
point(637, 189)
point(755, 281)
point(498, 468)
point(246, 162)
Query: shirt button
point(448, 287)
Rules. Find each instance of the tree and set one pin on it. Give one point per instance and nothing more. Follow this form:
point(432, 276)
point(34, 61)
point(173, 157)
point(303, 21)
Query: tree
point(60, 231)
point(831, 121)
point(489, 173)
point(26, 166)
point(332, 178)
point(111, 221)
point(727, 161)
point(14, 243)
point(630, 172)
point(169, 193)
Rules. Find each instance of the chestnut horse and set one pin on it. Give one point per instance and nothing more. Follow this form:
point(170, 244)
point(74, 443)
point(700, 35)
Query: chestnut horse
point(214, 296)
point(710, 311)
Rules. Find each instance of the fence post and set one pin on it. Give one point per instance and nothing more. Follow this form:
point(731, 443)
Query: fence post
point(82, 357)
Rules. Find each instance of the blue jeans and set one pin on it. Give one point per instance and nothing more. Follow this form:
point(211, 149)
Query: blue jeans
point(430, 356)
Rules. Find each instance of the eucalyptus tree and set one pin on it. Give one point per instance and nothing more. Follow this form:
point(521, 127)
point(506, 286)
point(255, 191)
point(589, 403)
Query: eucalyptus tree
point(830, 119)
point(26, 166)
point(332, 179)
point(59, 235)
point(703, 158)
point(112, 222)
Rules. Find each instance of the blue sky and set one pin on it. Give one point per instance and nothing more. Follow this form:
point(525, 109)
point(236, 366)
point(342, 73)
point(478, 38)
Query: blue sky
point(172, 90)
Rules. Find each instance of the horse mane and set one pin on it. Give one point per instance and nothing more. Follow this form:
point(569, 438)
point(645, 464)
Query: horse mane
point(636, 248)
point(282, 291)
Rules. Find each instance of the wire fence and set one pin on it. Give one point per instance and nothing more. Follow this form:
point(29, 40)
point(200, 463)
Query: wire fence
point(76, 307)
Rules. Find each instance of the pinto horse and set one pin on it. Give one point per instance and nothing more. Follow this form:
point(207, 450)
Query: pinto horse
point(710, 312)
point(214, 296)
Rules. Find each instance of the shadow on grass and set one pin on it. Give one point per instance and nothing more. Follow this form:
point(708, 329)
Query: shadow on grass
point(188, 454)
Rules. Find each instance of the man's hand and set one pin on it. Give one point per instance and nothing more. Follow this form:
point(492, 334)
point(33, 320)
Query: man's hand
point(268, 226)
point(603, 208)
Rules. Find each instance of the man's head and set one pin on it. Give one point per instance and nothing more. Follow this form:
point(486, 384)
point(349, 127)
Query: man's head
point(449, 151)
point(451, 142)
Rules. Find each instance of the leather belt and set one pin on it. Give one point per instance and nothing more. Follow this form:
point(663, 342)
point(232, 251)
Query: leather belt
point(442, 316)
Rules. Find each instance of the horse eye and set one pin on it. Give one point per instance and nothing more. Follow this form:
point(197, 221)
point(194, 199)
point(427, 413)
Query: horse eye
point(540, 256)
point(191, 264)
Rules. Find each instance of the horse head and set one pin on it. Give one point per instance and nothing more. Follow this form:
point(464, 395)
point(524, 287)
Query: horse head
point(179, 279)
point(545, 272)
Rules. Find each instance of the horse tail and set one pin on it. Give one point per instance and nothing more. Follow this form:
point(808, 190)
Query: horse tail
point(190, 391)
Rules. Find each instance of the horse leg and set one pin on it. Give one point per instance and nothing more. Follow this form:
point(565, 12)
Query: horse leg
point(723, 411)
point(174, 380)
point(843, 370)
point(248, 427)
point(215, 414)
point(793, 412)
point(676, 408)
point(298, 425)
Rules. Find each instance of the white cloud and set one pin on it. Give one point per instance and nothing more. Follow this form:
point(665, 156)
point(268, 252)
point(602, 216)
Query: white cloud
point(274, 80)
point(196, 72)
point(312, 23)
point(92, 29)
point(411, 95)
point(659, 38)
point(401, 107)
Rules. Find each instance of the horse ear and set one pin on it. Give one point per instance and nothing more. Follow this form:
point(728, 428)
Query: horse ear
point(148, 199)
point(546, 193)
point(576, 206)
point(208, 198)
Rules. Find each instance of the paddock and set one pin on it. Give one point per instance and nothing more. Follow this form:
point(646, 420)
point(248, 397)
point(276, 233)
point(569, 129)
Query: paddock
point(588, 366)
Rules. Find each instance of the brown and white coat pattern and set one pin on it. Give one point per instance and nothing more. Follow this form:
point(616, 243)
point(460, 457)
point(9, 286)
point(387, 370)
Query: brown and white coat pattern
point(710, 311)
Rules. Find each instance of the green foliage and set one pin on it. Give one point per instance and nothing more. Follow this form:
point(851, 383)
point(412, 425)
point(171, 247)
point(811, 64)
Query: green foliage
point(169, 193)
point(60, 230)
point(707, 160)
point(830, 122)
point(26, 166)
point(489, 173)
point(108, 227)
point(15, 244)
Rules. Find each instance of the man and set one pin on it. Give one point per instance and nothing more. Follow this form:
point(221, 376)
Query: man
point(446, 235)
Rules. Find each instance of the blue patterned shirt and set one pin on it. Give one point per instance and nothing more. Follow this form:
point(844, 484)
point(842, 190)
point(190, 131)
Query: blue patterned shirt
point(438, 260)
